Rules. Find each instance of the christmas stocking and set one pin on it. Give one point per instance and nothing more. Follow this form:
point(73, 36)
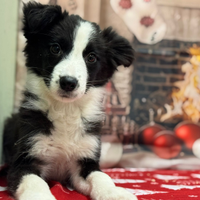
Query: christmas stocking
point(142, 18)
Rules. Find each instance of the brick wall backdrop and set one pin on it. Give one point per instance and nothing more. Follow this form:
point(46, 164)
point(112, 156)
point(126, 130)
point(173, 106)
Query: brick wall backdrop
point(156, 68)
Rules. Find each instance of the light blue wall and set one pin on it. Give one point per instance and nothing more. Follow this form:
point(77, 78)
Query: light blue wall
point(8, 40)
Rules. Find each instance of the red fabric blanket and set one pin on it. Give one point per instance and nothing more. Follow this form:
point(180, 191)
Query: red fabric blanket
point(145, 184)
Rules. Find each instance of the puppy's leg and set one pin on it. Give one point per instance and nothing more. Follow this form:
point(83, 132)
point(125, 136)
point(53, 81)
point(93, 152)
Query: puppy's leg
point(32, 187)
point(98, 185)
point(25, 183)
point(103, 188)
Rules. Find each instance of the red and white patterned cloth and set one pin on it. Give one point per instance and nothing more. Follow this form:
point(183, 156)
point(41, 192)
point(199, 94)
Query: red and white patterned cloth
point(144, 183)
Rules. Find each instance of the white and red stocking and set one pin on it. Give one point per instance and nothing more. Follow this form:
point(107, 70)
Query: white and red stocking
point(142, 18)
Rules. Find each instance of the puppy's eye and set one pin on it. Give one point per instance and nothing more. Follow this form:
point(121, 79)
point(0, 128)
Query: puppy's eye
point(91, 58)
point(55, 49)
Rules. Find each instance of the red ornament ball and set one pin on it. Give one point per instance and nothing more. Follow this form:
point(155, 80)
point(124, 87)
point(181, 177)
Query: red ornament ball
point(126, 4)
point(188, 132)
point(166, 145)
point(147, 133)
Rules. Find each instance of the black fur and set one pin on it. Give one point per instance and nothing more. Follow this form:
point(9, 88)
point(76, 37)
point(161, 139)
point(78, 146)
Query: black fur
point(20, 128)
point(10, 136)
point(17, 136)
point(88, 165)
point(29, 96)
point(92, 127)
point(22, 165)
point(39, 18)
point(112, 50)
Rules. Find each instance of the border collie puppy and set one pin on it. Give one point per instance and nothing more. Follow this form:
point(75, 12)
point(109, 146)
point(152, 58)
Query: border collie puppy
point(56, 134)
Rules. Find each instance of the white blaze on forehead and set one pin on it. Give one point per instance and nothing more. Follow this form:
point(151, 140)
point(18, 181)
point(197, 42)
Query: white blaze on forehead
point(82, 37)
point(73, 64)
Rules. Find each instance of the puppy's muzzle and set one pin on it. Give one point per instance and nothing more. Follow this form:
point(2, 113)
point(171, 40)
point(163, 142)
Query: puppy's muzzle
point(68, 83)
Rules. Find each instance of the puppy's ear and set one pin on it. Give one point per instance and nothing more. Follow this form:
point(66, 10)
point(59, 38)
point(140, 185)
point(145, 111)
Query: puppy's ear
point(38, 17)
point(119, 50)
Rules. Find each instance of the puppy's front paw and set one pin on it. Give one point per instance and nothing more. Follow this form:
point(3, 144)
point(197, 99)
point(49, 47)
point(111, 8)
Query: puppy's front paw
point(115, 193)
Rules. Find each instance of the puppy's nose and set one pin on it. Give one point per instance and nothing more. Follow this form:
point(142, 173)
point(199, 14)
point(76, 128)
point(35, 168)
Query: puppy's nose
point(68, 83)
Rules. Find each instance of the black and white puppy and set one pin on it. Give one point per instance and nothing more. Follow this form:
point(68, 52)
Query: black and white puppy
point(56, 134)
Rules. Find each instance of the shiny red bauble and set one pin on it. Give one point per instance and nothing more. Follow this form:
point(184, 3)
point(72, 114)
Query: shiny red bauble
point(126, 4)
point(188, 132)
point(146, 133)
point(166, 145)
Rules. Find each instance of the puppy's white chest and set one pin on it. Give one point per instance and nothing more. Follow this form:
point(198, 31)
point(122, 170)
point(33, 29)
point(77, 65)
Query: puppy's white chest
point(68, 139)
point(67, 144)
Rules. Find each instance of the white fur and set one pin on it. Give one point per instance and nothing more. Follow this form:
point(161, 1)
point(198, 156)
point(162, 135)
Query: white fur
point(33, 187)
point(103, 188)
point(68, 141)
point(73, 65)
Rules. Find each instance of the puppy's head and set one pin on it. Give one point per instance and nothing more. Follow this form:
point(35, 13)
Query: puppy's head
point(71, 54)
